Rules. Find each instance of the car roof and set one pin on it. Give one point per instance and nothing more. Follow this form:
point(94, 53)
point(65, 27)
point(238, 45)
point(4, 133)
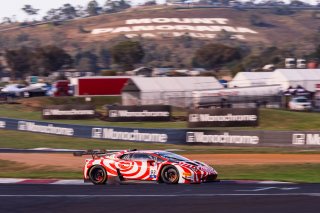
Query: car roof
point(146, 151)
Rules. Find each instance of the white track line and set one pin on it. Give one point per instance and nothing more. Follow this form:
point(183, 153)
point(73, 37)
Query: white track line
point(69, 182)
point(11, 180)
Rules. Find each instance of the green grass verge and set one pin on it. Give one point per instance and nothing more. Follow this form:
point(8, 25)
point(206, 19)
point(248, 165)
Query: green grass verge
point(10, 169)
point(26, 140)
point(309, 173)
point(280, 172)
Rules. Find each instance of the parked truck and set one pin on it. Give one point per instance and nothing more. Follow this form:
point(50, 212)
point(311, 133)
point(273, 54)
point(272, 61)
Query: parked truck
point(60, 88)
point(267, 95)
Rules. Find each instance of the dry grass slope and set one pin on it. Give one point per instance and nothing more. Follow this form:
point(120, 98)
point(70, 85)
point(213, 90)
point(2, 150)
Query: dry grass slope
point(282, 30)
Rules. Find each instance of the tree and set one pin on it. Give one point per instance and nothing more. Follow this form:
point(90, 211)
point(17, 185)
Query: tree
point(93, 8)
point(68, 11)
point(283, 10)
point(297, 3)
point(315, 54)
point(52, 58)
point(86, 65)
point(212, 56)
point(19, 62)
point(127, 53)
point(53, 15)
point(86, 61)
point(105, 57)
point(6, 20)
point(30, 10)
point(150, 3)
point(112, 6)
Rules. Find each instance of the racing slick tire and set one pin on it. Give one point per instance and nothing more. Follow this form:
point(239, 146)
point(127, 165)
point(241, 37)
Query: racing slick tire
point(170, 175)
point(98, 175)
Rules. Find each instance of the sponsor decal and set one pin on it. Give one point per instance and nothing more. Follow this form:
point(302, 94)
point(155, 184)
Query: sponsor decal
point(135, 135)
point(67, 112)
point(306, 139)
point(49, 129)
point(144, 113)
point(2, 124)
point(153, 173)
point(227, 118)
point(225, 138)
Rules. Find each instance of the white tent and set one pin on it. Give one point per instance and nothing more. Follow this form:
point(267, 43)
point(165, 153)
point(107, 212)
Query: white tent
point(307, 78)
point(176, 91)
point(248, 79)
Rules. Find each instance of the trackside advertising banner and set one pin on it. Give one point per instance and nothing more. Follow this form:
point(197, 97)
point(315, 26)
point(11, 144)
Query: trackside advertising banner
point(139, 113)
point(223, 137)
point(169, 136)
point(173, 136)
point(223, 117)
point(69, 112)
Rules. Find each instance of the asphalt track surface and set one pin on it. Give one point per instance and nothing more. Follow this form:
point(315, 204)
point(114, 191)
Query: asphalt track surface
point(131, 197)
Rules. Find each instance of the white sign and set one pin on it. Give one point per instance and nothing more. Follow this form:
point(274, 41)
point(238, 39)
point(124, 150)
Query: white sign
point(49, 129)
point(200, 137)
point(306, 139)
point(67, 112)
point(178, 34)
point(178, 20)
point(185, 28)
point(2, 124)
point(135, 135)
point(144, 113)
point(174, 27)
point(225, 118)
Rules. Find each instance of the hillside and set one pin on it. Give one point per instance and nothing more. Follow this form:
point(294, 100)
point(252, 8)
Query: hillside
point(253, 28)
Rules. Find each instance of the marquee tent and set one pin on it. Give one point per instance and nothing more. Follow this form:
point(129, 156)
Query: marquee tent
point(176, 91)
point(248, 79)
point(307, 78)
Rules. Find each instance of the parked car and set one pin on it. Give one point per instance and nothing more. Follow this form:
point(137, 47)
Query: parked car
point(13, 90)
point(21, 90)
point(37, 89)
point(300, 103)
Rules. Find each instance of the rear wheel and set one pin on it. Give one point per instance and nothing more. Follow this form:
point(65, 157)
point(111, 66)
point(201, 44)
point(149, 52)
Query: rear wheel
point(170, 175)
point(98, 175)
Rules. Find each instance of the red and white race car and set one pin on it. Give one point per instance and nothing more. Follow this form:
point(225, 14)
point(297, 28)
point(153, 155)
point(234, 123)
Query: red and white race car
point(146, 165)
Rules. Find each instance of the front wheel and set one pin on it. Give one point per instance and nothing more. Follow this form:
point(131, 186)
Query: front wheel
point(98, 175)
point(170, 175)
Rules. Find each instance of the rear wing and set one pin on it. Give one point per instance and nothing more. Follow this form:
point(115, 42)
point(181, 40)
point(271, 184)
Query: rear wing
point(95, 153)
point(89, 152)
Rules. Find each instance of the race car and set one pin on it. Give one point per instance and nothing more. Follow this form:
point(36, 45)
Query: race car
point(146, 165)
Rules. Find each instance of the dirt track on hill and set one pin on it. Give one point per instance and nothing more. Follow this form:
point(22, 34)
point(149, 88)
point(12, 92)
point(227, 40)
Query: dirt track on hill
point(68, 161)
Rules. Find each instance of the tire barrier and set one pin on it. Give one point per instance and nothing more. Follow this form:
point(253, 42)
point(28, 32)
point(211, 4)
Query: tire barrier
point(170, 136)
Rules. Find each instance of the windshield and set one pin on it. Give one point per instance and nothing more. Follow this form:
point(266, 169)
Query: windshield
point(171, 156)
point(302, 100)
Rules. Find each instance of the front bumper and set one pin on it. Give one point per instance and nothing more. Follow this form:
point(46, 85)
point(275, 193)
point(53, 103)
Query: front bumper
point(199, 177)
